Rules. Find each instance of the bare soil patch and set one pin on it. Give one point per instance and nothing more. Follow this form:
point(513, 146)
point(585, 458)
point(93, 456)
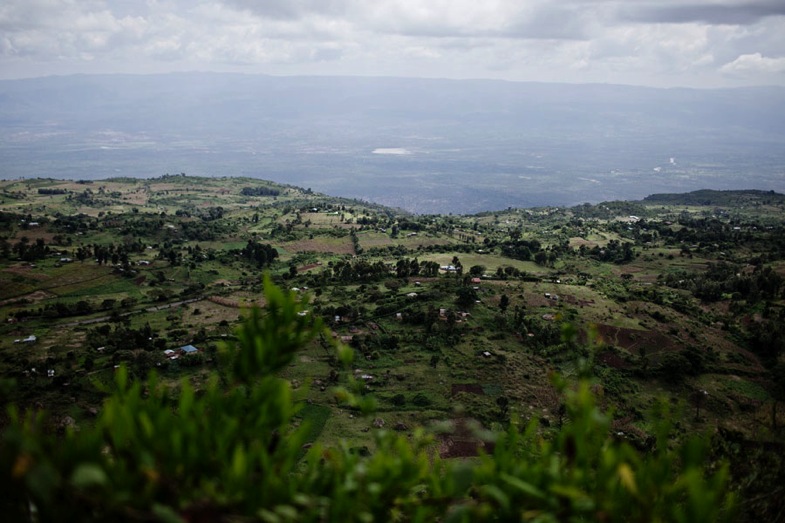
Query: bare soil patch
point(27, 272)
point(234, 303)
point(572, 300)
point(613, 360)
point(576, 243)
point(472, 388)
point(33, 297)
point(337, 246)
point(634, 340)
point(226, 302)
point(462, 441)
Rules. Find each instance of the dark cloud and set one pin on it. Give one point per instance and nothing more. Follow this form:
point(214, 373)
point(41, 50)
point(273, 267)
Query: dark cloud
point(715, 14)
point(556, 22)
point(288, 9)
point(533, 20)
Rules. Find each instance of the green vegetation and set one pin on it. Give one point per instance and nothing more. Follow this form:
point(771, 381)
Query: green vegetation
point(161, 454)
point(454, 320)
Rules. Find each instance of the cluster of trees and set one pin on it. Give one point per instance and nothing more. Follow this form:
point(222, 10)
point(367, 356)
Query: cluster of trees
point(24, 250)
point(504, 272)
point(762, 283)
point(75, 223)
point(62, 309)
point(405, 267)
point(518, 249)
point(259, 191)
point(261, 254)
point(123, 337)
point(205, 229)
point(360, 270)
point(144, 225)
point(614, 252)
point(90, 198)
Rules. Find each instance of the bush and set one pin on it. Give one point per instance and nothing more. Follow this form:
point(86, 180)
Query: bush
point(421, 400)
point(232, 452)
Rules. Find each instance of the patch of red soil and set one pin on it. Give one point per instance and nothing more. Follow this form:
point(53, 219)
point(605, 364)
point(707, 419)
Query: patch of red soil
point(572, 300)
point(634, 340)
point(462, 442)
point(224, 301)
point(472, 388)
point(611, 359)
point(140, 279)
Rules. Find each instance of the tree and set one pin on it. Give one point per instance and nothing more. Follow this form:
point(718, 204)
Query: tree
point(504, 302)
point(466, 296)
point(777, 392)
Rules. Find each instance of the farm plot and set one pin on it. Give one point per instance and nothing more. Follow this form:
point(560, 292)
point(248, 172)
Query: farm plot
point(324, 244)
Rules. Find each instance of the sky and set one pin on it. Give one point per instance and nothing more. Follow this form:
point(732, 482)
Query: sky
point(664, 43)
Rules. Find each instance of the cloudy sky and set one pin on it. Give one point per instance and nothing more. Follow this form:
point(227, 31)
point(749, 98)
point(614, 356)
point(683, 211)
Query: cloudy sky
point(698, 43)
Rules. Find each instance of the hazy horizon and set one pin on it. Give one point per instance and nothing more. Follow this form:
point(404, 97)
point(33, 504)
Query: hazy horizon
point(424, 145)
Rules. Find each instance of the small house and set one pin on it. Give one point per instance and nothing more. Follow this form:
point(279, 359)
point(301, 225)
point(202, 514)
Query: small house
point(188, 349)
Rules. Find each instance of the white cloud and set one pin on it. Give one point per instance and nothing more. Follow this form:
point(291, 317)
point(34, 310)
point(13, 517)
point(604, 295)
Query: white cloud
point(754, 62)
point(662, 42)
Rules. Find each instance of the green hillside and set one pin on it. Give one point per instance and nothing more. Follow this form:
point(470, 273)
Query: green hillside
point(455, 321)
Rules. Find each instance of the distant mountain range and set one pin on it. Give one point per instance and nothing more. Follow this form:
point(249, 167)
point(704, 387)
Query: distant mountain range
point(427, 146)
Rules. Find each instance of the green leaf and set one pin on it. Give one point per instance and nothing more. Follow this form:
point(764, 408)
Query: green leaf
point(88, 475)
point(166, 514)
point(497, 494)
point(524, 487)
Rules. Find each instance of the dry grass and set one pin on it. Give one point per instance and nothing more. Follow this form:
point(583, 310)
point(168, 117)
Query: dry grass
point(324, 244)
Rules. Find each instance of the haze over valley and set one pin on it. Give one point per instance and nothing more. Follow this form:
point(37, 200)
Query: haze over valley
point(423, 145)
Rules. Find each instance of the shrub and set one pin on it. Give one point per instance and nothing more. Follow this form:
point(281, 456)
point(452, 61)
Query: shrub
point(232, 452)
point(421, 400)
